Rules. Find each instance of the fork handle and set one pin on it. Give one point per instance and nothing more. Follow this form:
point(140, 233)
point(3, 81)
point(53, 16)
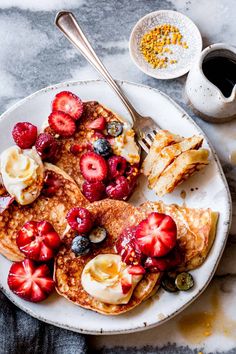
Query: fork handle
point(67, 23)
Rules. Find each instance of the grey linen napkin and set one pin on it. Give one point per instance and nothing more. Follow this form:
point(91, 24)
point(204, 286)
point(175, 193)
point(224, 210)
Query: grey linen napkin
point(23, 334)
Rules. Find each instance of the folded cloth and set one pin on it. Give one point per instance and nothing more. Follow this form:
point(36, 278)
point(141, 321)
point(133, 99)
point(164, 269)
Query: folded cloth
point(23, 334)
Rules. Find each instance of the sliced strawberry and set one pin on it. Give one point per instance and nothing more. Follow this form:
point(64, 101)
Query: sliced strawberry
point(93, 167)
point(156, 235)
point(62, 123)
point(136, 270)
point(97, 124)
point(38, 240)
point(5, 201)
point(127, 247)
point(69, 103)
point(29, 281)
point(125, 285)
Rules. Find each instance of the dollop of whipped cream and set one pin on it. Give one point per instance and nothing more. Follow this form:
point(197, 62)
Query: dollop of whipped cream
point(124, 145)
point(102, 278)
point(22, 173)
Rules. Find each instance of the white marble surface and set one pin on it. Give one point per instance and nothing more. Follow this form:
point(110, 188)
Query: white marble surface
point(34, 54)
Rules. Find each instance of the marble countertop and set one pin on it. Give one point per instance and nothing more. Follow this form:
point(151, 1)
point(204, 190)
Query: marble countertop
point(34, 54)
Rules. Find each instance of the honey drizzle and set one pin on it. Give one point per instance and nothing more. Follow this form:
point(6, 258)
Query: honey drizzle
point(196, 327)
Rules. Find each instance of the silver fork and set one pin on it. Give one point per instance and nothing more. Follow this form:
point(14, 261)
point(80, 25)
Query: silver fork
point(144, 127)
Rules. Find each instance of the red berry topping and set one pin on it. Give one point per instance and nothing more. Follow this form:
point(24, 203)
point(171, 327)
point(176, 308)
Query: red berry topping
point(136, 270)
point(132, 173)
point(5, 202)
point(156, 265)
point(80, 219)
point(97, 124)
point(78, 148)
point(125, 285)
point(94, 191)
point(24, 135)
point(97, 135)
point(47, 147)
point(62, 123)
point(116, 166)
point(52, 184)
point(156, 235)
point(69, 103)
point(93, 167)
point(127, 247)
point(30, 281)
point(118, 189)
point(38, 240)
point(170, 261)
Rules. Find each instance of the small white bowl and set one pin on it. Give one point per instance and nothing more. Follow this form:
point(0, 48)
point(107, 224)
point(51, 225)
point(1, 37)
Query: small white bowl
point(184, 56)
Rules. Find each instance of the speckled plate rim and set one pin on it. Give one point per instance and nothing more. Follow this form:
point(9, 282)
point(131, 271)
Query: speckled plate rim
point(179, 72)
point(227, 222)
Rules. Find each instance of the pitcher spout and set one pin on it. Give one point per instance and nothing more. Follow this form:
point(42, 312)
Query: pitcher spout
point(232, 97)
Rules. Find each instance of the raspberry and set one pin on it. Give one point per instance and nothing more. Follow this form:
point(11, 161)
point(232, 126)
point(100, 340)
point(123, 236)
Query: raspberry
point(94, 191)
point(118, 189)
point(24, 135)
point(80, 219)
point(47, 147)
point(117, 166)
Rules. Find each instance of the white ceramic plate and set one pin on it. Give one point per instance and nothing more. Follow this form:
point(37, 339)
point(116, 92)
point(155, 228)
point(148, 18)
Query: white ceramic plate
point(184, 56)
point(212, 192)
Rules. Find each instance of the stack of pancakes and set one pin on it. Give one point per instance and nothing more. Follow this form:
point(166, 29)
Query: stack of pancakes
point(196, 227)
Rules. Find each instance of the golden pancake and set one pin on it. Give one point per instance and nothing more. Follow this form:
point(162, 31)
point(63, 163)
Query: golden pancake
point(114, 216)
point(196, 232)
point(51, 209)
point(196, 229)
point(69, 162)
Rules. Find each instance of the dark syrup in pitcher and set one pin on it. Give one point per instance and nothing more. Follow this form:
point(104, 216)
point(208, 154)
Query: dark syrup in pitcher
point(221, 71)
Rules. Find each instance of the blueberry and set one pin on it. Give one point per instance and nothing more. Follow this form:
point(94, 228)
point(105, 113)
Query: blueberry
point(102, 147)
point(98, 234)
point(114, 128)
point(80, 245)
